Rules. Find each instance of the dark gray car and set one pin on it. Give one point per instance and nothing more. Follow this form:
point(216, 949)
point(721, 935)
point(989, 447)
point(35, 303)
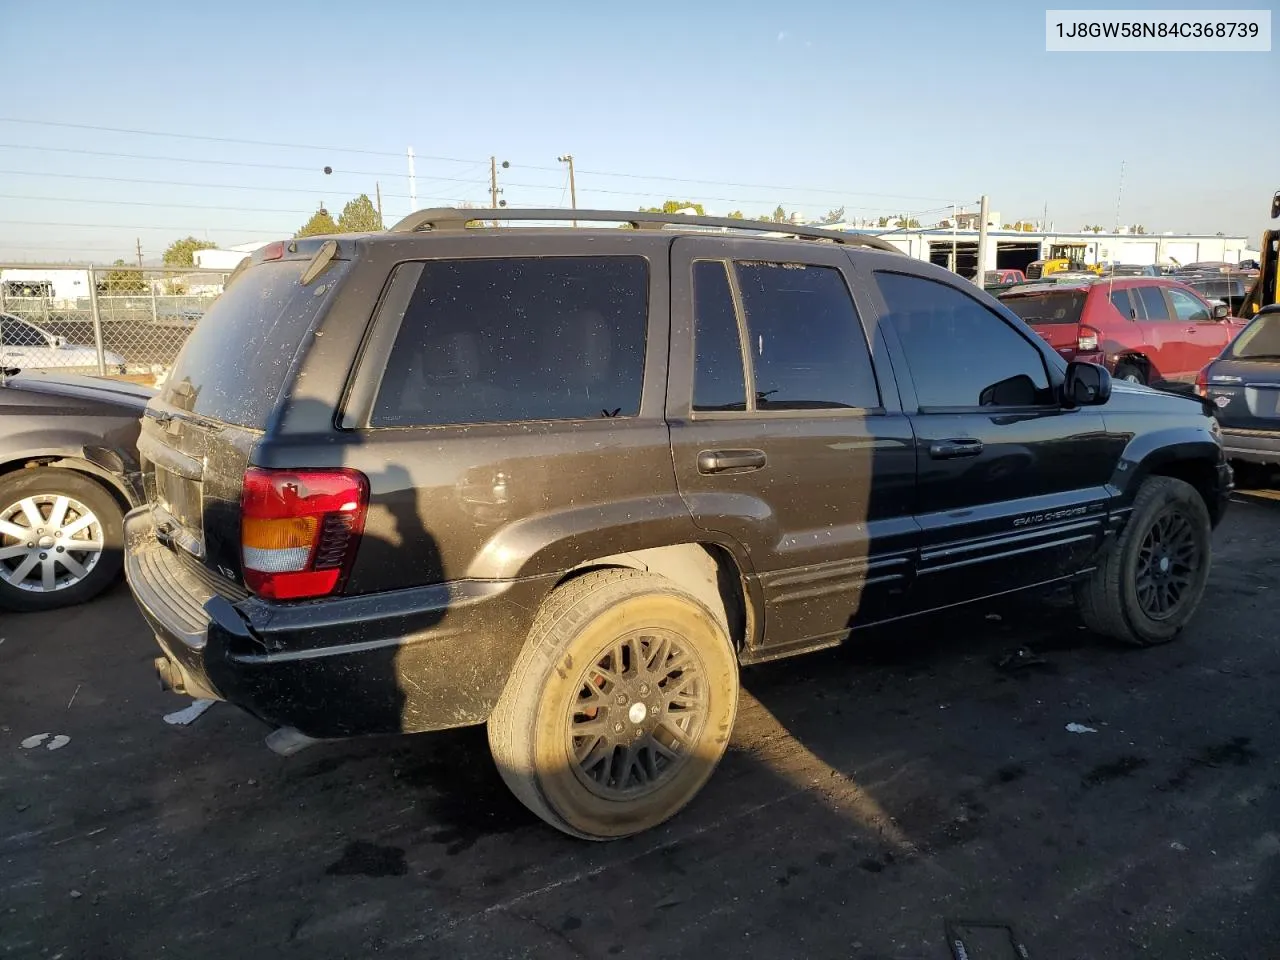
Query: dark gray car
point(565, 481)
point(68, 473)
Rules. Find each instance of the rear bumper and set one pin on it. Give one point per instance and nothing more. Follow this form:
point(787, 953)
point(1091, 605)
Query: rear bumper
point(1252, 446)
point(426, 658)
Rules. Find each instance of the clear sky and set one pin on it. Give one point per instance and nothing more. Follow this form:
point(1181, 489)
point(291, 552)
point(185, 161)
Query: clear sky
point(880, 107)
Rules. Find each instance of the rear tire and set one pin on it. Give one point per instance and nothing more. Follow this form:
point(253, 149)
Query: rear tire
point(1150, 580)
point(72, 511)
point(619, 707)
point(1131, 373)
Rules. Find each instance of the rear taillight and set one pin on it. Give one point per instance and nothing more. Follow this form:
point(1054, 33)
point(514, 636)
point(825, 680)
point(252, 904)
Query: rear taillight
point(299, 530)
point(1202, 381)
point(1086, 339)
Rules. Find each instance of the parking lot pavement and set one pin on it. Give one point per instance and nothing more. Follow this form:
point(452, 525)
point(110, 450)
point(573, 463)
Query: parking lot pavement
point(871, 794)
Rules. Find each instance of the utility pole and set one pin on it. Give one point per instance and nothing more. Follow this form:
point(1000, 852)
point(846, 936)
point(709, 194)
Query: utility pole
point(982, 240)
point(953, 239)
point(138, 242)
point(377, 189)
point(1119, 194)
point(494, 189)
point(493, 185)
point(573, 189)
point(413, 184)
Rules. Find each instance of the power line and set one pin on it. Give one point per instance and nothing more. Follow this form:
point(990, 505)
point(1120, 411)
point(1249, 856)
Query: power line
point(209, 139)
point(153, 203)
point(211, 162)
point(128, 226)
point(65, 246)
point(386, 153)
point(184, 183)
point(398, 196)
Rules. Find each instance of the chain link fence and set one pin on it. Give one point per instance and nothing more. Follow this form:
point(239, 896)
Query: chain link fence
point(124, 322)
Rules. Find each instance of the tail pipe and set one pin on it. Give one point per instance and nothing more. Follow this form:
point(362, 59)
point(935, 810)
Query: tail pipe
point(169, 675)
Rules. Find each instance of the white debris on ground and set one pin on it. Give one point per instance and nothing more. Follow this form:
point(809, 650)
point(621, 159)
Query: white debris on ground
point(1079, 728)
point(57, 743)
point(188, 715)
point(286, 741)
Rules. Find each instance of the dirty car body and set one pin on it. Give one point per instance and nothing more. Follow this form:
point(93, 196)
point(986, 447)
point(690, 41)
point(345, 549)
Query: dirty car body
point(381, 455)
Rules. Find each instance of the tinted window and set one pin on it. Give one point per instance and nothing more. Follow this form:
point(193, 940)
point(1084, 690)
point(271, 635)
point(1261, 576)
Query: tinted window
point(234, 364)
point(960, 353)
point(1120, 300)
point(1259, 340)
point(15, 333)
point(1153, 303)
point(718, 382)
point(806, 344)
point(1059, 306)
point(521, 338)
point(1188, 307)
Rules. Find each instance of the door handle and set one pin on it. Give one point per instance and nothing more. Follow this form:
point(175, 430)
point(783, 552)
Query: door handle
point(721, 461)
point(954, 449)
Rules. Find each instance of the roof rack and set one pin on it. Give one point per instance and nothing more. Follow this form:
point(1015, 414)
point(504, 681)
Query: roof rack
point(457, 218)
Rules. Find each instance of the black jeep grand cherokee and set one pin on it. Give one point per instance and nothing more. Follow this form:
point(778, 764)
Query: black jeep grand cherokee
point(565, 481)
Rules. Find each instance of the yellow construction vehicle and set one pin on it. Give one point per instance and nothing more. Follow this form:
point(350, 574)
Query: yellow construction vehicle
point(1062, 257)
point(1263, 293)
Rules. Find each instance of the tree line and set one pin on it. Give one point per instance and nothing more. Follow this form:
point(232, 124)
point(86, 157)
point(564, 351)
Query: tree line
point(359, 215)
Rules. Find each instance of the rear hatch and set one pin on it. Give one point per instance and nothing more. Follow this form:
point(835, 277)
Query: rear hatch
point(218, 400)
point(1051, 311)
point(1244, 383)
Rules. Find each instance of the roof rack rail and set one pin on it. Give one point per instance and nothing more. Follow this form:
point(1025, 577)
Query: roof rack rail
point(457, 218)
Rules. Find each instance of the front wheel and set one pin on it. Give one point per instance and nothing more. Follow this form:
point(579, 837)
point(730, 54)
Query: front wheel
point(1130, 373)
point(619, 707)
point(1150, 580)
point(61, 535)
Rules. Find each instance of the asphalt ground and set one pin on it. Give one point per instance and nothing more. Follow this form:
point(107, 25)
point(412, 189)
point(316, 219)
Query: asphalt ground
point(871, 795)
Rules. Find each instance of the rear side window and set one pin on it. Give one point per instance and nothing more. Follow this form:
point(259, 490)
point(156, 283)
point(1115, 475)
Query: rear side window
point(960, 353)
point(234, 364)
point(1120, 300)
point(804, 338)
point(1153, 303)
point(1063, 306)
point(518, 338)
point(718, 381)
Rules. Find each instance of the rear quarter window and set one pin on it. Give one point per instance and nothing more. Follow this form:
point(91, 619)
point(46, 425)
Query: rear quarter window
point(517, 339)
point(1058, 306)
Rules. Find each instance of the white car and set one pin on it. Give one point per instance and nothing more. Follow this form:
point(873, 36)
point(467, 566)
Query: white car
point(23, 345)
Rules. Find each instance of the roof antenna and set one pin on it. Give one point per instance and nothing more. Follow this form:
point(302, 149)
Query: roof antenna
point(1111, 282)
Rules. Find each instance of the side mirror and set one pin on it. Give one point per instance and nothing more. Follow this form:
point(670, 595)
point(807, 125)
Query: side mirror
point(1220, 311)
point(1086, 385)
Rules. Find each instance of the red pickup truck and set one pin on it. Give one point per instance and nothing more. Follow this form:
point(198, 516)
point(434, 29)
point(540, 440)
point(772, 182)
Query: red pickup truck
point(1144, 329)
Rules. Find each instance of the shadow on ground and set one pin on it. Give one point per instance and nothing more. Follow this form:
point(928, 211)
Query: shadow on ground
point(870, 794)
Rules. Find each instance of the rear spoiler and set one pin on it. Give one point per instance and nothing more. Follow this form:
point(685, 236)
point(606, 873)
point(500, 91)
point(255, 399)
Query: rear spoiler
point(321, 251)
